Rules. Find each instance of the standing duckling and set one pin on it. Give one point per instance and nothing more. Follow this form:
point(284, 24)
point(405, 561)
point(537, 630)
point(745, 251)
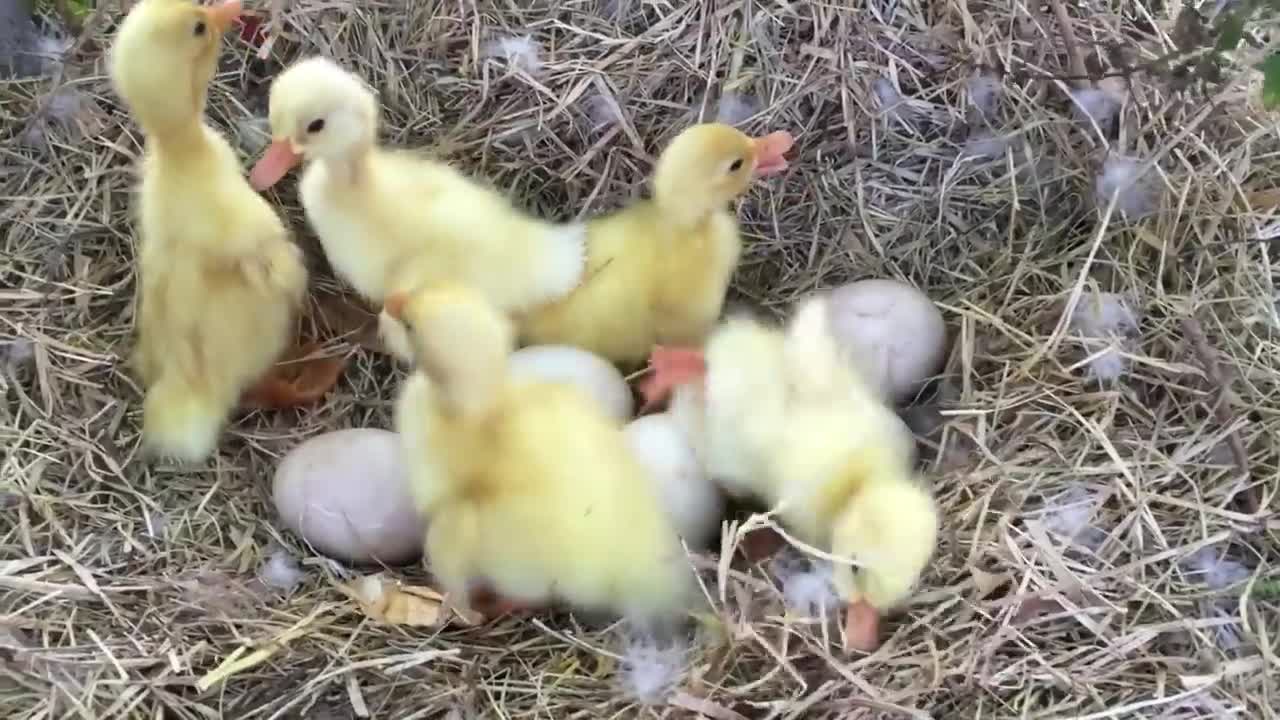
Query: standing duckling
point(393, 220)
point(219, 278)
point(658, 271)
point(530, 491)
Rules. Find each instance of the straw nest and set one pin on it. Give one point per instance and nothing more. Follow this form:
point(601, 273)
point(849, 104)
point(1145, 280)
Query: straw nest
point(1103, 441)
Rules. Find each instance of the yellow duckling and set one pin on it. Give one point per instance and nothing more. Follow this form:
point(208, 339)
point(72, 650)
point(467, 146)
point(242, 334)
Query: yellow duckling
point(393, 220)
point(219, 278)
point(782, 416)
point(658, 271)
point(529, 490)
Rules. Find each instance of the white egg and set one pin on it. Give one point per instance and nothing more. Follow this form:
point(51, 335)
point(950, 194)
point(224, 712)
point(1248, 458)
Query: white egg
point(588, 371)
point(692, 501)
point(894, 333)
point(346, 493)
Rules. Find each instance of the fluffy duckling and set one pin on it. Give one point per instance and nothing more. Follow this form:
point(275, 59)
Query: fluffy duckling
point(658, 271)
point(393, 220)
point(219, 278)
point(782, 417)
point(530, 491)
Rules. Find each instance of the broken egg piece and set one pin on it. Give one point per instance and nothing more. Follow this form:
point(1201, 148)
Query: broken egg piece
point(346, 494)
point(587, 371)
point(894, 333)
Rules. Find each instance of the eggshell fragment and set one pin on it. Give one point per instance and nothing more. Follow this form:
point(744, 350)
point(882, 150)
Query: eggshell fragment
point(346, 493)
point(588, 371)
point(691, 500)
point(894, 332)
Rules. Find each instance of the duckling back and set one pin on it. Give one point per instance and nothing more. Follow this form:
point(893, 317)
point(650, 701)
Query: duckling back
point(528, 487)
point(647, 281)
point(391, 220)
point(558, 507)
point(745, 405)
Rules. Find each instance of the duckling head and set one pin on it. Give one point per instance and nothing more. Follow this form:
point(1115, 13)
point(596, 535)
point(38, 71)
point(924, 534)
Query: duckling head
point(709, 165)
point(163, 58)
point(889, 527)
point(460, 342)
point(317, 111)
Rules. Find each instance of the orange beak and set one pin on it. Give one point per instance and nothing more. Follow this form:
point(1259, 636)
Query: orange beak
point(770, 152)
point(861, 627)
point(275, 163)
point(395, 303)
point(223, 14)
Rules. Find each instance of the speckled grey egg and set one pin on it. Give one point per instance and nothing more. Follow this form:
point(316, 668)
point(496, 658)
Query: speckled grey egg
point(894, 333)
point(589, 372)
point(346, 494)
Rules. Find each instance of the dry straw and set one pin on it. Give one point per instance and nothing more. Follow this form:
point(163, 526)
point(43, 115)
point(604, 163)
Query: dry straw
point(1103, 552)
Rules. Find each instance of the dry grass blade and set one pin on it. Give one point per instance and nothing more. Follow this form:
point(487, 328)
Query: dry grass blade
point(1091, 549)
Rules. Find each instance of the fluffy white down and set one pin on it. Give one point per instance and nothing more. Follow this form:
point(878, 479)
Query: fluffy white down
point(521, 52)
point(985, 145)
point(1070, 515)
point(692, 501)
point(603, 110)
point(1098, 106)
point(1105, 317)
point(808, 587)
point(651, 672)
point(1211, 567)
point(985, 89)
point(589, 372)
point(735, 108)
point(891, 101)
point(1101, 315)
point(1135, 186)
point(281, 571)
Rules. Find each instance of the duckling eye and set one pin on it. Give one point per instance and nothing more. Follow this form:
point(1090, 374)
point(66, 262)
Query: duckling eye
point(316, 125)
point(199, 29)
point(736, 166)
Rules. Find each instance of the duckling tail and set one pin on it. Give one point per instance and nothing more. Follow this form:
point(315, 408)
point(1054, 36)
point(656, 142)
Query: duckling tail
point(559, 259)
point(180, 421)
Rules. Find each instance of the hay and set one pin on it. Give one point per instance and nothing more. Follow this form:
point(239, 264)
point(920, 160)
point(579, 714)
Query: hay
point(1099, 556)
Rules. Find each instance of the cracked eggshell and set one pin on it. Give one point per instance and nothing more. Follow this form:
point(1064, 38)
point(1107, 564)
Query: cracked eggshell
point(586, 370)
point(894, 333)
point(346, 493)
point(691, 500)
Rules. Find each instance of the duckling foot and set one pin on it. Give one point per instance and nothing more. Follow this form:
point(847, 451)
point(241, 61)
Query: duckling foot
point(295, 380)
point(669, 368)
point(492, 606)
point(861, 627)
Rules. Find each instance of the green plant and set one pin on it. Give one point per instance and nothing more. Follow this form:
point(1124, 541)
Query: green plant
point(1267, 589)
point(1204, 49)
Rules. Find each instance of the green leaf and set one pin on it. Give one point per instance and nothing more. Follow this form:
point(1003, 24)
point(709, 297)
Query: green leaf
point(1230, 31)
point(1271, 80)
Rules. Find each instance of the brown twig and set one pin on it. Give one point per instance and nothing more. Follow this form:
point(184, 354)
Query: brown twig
point(1074, 59)
point(1225, 401)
